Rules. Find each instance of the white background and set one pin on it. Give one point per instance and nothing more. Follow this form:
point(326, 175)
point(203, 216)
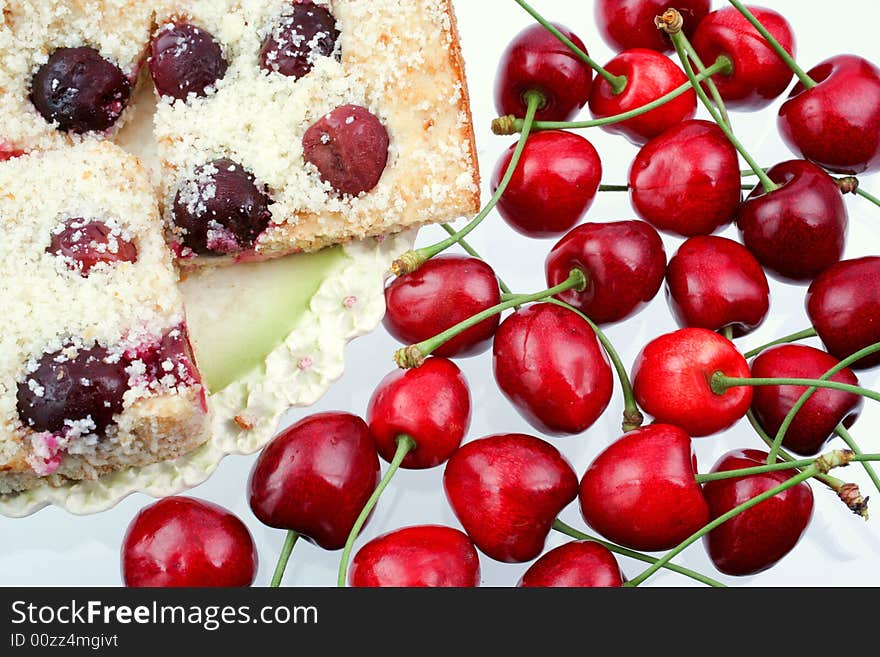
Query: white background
point(55, 548)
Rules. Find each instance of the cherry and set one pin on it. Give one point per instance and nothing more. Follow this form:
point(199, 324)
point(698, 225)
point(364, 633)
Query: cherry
point(672, 381)
point(626, 24)
point(826, 409)
point(549, 364)
point(184, 60)
point(759, 73)
point(844, 306)
point(185, 542)
point(641, 492)
point(649, 75)
point(221, 210)
point(74, 389)
point(349, 147)
point(304, 33)
point(759, 537)
point(80, 91)
point(83, 244)
point(798, 230)
point(315, 477)
point(687, 181)
point(624, 263)
point(426, 556)
point(536, 61)
point(431, 404)
point(836, 124)
point(441, 293)
point(553, 186)
point(581, 564)
point(506, 491)
point(715, 283)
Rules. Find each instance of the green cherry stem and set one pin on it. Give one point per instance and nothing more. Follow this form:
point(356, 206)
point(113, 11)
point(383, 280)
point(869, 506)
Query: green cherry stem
point(794, 337)
point(618, 82)
point(415, 355)
point(405, 445)
point(853, 445)
point(838, 459)
point(283, 558)
point(571, 532)
point(866, 195)
point(412, 260)
point(721, 383)
point(471, 251)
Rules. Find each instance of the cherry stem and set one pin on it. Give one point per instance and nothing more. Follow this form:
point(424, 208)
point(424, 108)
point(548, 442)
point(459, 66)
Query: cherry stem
point(721, 383)
point(853, 445)
point(805, 79)
point(720, 520)
point(405, 445)
point(837, 459)
point(632, 416)
point(713, 88)
point(618, 82)
point(866, 195)
point(727, 332)
point(794, 337)
point(283, 558)
point(415, 355)
point(473, 253)
point(571, 532)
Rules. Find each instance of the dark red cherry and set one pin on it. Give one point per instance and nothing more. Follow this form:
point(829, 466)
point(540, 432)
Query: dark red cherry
point(426, 556)
point(349, 147)
point(672, 381)
point(758, 538)
point(441, 293)
point(315, 478)
point(641, 492)
point(431, 404)
point(581, 564)
point(184, 542)
point(73, 389)
point(836, 124)
point(759, 75)
point(548, 362)
point(221, 210)
point(536, 61)
point(80, 90)
point(716, 283)
point(687, 181)
point(626, 24)
point(184, 60)
point(506, 491)
point(798, 230)
point(624, 263)
point(553, 186)
point(649, 75)
point(84, 244)
point(826, 409)
point(844, 306)
point(304, 33)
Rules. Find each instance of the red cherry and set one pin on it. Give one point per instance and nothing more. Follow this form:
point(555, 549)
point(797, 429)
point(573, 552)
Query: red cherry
point(624, 263)
point(582, 564)
point(506, 491)
point(553, 186)
point(672, 381)
point(426, 556)
point(443, 292)
point(715, 283)
point(536, 61)
point(315, 477)
point(431, 404)
point(844, 306)
point(628, 24)
point(798, 230)
point(184, 60)
point(84, 244)
point(184, 542)
point(754, 540)
point(549, 364)
point(641, 492)
point(649, 75)
point(836, 124)
point(687, 181)
point(303, 34)
point(759, 74)
point(815, 422)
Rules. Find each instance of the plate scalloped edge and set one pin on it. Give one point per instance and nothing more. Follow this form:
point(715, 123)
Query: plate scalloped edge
point(349, 303)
